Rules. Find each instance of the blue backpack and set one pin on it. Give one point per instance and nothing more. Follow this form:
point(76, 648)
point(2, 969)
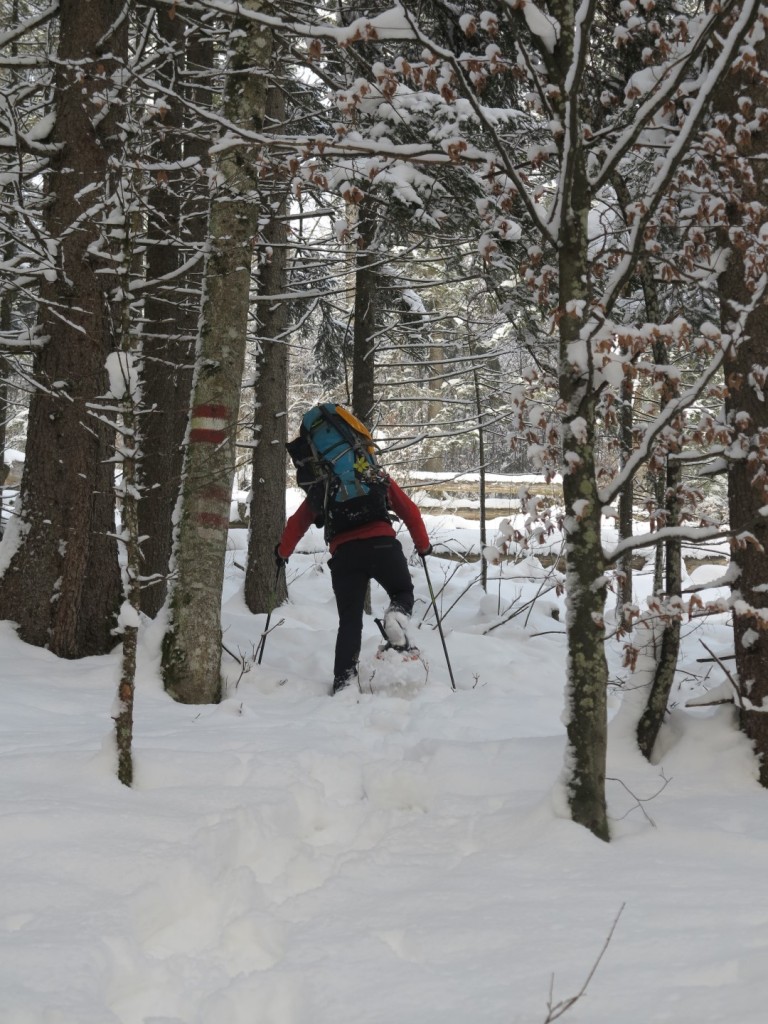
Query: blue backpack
point(336, 466)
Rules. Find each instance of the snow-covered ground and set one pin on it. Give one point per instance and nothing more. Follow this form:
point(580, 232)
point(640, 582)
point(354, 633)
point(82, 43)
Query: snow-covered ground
point(396, 856)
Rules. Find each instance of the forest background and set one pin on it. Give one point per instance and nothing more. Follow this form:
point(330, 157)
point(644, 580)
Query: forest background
point(512, 236)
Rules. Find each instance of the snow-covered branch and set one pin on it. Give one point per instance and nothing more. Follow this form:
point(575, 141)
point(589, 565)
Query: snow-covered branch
point(12, 34)
point(692, 534)
point(658, 186)
point(668, 79)
point(686, 398)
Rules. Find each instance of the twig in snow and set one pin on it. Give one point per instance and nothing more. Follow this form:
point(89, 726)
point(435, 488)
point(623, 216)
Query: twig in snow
point(245, 662)
point(556, 1010)
point(519, 610)
point(453, 605)
point(729, 677)
point(640, 800)
point(446, 581)
point(538, 592)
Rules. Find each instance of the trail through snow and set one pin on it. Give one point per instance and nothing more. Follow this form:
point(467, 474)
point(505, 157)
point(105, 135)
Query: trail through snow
point(396, 856)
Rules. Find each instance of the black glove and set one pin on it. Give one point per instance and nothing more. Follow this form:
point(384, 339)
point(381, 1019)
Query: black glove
point(427, 552)
point(279, 560)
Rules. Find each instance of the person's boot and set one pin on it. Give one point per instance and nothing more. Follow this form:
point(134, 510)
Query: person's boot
point(343, 682)
point(396, 628)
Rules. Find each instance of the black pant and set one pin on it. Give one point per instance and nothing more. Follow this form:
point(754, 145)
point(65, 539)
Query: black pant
point(353, 566)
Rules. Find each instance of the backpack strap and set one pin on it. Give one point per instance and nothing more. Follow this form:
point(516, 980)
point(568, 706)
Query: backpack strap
point(349, 429)
point(358, 426)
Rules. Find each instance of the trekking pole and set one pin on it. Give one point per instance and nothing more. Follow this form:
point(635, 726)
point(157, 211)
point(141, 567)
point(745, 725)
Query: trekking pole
point(437, 617)
point(263, 641)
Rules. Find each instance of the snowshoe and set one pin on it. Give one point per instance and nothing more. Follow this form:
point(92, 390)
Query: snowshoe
point(406, 653)
point(395, 673)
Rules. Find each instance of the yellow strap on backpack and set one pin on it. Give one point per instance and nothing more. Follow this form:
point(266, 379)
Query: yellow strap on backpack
point(355, 423)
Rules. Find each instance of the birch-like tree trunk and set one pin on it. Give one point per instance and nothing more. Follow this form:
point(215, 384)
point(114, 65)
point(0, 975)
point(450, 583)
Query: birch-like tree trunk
point(130, 491)
point(191, 660)
point(585, 712)
point(585, 563)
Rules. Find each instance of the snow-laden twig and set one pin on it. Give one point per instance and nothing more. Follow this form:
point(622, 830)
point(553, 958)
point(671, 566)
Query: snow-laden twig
point(658, 187)
point(500, 150)
point(246, 662)
point(736, 690)
point(522, 608)
point(34, 22)
point(672, 409)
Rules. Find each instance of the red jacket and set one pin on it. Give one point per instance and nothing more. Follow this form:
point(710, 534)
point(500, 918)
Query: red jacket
point(401, 505)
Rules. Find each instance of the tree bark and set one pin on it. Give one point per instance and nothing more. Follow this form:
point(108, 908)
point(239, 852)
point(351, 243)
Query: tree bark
point(191, 660)
point(585, 563)
point(626, 520)
point(168, 330)
point(5, 326)
point(131, 488)
point(668, 576)
point(265, 589)
point(435, 459)
point(652, 719)
point(748, 417)
point(366, 280)
point(62, 585)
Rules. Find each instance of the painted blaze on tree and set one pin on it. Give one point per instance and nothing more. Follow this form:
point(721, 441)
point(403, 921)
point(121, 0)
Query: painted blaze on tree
point(192, 645)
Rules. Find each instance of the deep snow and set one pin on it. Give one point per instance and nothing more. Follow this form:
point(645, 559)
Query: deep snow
point(401, 856)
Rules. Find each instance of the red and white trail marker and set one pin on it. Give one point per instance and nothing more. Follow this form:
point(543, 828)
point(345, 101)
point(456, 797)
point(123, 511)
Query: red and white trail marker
point(209, 424)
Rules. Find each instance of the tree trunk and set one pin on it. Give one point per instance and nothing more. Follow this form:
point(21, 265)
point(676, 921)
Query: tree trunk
point(748, 418)
point(264, 589)
point(627, 497)
point(6, 311)
point(366, 282)
point(192, 645)
point(3, 422)
point(5, 326)
point(481, 455)
point(585, 563)
point(129, 492)
point(668, 555)
point(6, 323)
point(747, 496)
point(168, 331)
point(62, 584)
point(652, 719)
point(587, 668)
point(434, 461)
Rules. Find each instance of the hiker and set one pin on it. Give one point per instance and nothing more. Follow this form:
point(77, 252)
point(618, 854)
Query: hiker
point(363, 550)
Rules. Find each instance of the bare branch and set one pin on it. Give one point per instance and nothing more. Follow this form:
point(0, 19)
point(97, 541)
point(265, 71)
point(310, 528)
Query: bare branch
point(556, 1010)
